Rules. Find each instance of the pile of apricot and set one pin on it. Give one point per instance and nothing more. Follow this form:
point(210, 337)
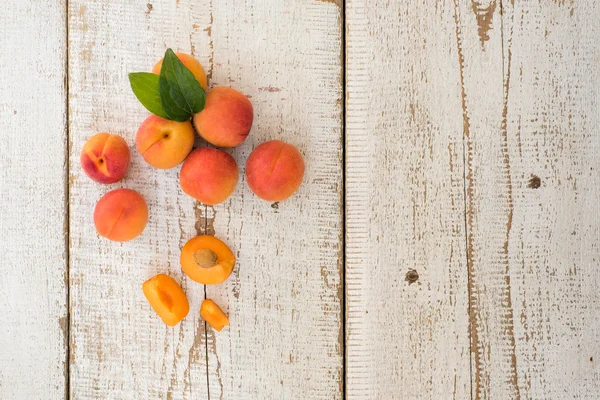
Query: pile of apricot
point(274, 171)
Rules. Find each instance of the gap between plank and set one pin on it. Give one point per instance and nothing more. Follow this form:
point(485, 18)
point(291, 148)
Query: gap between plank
point(67, 228)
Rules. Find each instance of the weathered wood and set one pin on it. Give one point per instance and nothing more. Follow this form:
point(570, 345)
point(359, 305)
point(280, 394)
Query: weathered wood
point(406, 276)
point(285, 297)
point(33, 222)
point(119, 347)
point(530, 88)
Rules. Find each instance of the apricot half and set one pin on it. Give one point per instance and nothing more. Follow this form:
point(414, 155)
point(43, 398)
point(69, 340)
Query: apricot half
point(105, 158)
point(209, 175)
point(121, 215)
point(226, 119)
point(207, 260)
point(274, 170)
point(164, 144)
point(191, 63)
point(212, 313)
point(166, 298)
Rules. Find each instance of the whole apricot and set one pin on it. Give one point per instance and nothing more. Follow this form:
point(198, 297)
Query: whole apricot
point(105, 158)
point(191, 63)
point(209, 175)
point(274, 170)
point(226, 119)
point(121, 215)
point(164, 144)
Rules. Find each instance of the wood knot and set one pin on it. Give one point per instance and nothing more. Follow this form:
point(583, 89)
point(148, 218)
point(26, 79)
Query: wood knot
point(534, 182)
point(412, 276)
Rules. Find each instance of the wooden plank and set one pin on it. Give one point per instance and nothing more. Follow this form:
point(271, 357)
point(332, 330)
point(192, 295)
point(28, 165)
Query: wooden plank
point(530, 86)
point(552, 87)
point(33, 270)
point(285, 296)
point(488, 194)
point(119, 348)
point(405, 203)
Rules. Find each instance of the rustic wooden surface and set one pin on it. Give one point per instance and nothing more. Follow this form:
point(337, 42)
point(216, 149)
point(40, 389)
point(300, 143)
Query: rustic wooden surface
point(470, 214)
point(33, 198)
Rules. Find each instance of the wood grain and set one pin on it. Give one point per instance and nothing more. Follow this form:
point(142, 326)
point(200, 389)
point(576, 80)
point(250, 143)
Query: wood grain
point(119, 347)
point(529, 81)
point(552, 114)
point(406, 276)
point(285, 297)
point(33, 270)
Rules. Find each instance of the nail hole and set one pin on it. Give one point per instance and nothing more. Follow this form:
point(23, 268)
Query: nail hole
point(412, 276)
point(534, 182)
point(591, 359)
point(275, 205)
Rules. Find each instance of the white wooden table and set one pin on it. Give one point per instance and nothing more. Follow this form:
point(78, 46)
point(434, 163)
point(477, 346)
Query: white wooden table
point(445, 243)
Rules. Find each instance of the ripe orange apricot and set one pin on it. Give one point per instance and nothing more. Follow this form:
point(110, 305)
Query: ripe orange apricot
point(105, 158)
point(191, 63)
point(274, 170)
point(166, 298)
point(209, 175)
point(207, 260)
point(226, 119)
point(212, 313)
point(164, 144)
point(121, 215)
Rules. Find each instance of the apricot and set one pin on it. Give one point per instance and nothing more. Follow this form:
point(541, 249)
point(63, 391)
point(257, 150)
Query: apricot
point(166, 298)
point(209, 175)
point(207, 260)
point(213, 315)
point(121, 215)
point(164, 144)
point(191, 63)
point(226, 119)
point(105, 158)
point(274, 170)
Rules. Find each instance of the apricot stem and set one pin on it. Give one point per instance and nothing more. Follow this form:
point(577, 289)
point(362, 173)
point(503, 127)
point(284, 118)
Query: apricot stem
point(205, 258)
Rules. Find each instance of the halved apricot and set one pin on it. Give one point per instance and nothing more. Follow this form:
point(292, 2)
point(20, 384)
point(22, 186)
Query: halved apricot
point(166, 298)
point(207, 260)
point(213, 315)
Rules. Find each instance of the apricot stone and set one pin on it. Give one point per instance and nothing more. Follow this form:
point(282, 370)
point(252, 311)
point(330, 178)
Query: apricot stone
point(191, 63)
point(274, 170)
point(121, 215)
point(164, 144)
point(226, 119)
point(209, 175)
point(105, 158)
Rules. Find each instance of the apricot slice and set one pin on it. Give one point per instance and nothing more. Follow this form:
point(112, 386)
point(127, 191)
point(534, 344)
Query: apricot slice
point(105, 158)
point(121, 215)
point(213, 315)
point(166, 298)
point(207, 260)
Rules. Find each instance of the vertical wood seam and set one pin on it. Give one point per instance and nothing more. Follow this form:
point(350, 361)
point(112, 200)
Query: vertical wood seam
point(343, 77)
point(467, 216)
point(67, 222)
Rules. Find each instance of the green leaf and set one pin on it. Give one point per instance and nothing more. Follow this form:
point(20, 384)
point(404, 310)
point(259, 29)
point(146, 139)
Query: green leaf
point(145, 87)
point(180, 93)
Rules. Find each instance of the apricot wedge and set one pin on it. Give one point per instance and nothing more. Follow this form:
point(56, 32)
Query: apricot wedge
point(213, 315)
point(166, 298)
